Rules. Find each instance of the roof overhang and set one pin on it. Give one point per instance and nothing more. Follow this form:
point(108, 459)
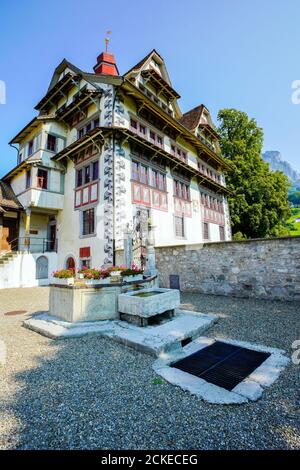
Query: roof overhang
point(146, 102)
point(79, 144)
point(158, 82)
point(60, 89)
point(210, 130)
point(19, 168)
point(174, 162)
point(83, 97)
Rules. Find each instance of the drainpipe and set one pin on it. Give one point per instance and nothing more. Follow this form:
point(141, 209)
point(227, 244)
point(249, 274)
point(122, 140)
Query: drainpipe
point(16, 148)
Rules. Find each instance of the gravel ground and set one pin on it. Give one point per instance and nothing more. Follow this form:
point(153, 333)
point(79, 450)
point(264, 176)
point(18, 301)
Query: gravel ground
point(92, 393)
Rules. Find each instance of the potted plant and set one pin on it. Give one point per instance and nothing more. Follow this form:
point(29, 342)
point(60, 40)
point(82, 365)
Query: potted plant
point(64, 277)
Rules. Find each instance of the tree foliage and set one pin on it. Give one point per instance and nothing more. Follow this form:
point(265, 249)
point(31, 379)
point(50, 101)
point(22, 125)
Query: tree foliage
point(259, 207)
point(294, 198)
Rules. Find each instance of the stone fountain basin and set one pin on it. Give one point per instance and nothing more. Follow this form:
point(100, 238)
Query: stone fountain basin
point(146, 303)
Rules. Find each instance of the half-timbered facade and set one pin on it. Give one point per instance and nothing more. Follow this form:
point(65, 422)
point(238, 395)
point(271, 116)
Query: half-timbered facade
point(110, 152)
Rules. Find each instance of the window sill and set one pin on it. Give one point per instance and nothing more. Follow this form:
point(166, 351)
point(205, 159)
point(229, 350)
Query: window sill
point(90, 235)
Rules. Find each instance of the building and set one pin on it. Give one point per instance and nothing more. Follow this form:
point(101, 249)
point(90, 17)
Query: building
point(108, 152)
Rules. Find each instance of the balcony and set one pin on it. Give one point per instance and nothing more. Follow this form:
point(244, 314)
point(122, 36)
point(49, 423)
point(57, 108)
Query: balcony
point(45, 199)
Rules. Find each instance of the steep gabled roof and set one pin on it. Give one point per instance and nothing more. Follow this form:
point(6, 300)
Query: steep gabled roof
point(8, 199)
point(191, 119)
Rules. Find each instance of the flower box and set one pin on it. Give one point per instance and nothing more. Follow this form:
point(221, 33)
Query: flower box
point(95, 282)
point(133, 277)
point(63, 281)
point(115, 273)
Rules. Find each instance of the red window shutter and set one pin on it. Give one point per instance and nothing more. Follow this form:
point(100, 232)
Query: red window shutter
point(85, 252)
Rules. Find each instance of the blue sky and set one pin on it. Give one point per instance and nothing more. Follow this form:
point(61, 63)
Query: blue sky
point(223, 53)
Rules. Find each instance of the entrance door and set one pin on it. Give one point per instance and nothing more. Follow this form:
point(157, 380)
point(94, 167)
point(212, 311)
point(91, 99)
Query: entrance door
point(9, 233)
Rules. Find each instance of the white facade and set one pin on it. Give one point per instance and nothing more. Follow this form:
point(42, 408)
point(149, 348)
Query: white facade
point(80, 155)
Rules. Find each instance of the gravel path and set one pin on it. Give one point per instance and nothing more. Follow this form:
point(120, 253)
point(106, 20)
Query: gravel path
point(92, 393)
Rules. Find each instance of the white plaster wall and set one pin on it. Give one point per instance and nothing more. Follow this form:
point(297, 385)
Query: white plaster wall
point(68, 224)
point(21, 271)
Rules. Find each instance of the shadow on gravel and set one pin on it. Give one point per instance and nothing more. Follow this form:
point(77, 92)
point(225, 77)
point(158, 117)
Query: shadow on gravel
point(92, 393)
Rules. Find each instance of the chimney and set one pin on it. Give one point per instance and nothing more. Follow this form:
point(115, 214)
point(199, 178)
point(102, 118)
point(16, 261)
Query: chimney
point(106, 64)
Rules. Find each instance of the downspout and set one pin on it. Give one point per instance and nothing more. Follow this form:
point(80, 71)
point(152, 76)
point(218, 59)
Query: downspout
point(16, 148)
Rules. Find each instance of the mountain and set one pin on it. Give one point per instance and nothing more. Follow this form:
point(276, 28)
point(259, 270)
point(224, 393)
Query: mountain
point(274, 158)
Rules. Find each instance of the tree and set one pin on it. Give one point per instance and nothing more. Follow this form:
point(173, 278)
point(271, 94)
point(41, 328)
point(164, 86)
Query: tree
point(259, 206)
point(294, 198)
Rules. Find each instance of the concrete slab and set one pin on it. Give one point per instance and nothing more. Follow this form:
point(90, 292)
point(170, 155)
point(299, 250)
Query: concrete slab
point(152, 339)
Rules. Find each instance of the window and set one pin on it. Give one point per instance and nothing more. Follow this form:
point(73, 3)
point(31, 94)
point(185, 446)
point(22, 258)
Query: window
point(42, 179)
point(95, 170)
point(205, 231)
point(181, 190)
point(88, 127)
point(133, 124)
point(142, 130)
point(143, 174)
point(80, 133)
point(96, 122)
point(79, 177)
point(88, 222)
point(85, 263)
point(179, 227)
point(28, 179)
point(222, 233)
point(135, 171)
point(51, 143)
point(30, 147)
point(20, 157)
point(86, 174)
point(159, 141)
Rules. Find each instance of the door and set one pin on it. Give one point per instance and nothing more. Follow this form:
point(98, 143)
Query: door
point(9, 234)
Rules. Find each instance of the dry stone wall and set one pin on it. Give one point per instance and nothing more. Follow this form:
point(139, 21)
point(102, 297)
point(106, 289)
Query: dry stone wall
point(263, 269)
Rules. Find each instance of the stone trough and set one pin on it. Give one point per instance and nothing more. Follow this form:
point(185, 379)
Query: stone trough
point(148, 305)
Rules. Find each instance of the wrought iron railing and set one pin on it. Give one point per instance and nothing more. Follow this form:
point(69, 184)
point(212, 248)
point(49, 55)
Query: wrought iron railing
point(33, 244)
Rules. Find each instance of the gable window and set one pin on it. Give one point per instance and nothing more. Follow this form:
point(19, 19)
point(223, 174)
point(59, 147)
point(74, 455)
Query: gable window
point(30, 147)
point(205, 231)
point(88, 222)
point(179, 227)
point(42, 179)
point(28, 179)
point(51, 143)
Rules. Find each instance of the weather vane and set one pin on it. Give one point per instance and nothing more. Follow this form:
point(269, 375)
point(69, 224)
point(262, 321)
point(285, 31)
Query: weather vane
point(108, 33)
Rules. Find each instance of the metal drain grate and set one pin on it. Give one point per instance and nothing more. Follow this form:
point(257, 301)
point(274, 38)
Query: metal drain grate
point(15, 312)
point(222, 364)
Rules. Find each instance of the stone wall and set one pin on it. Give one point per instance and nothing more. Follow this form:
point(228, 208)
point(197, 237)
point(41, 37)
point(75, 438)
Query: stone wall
point(263, 268)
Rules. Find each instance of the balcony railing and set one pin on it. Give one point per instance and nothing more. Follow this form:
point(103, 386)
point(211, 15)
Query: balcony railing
point(33, 245)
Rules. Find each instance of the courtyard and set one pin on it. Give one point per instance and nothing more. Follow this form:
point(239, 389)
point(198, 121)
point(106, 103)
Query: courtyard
point(91, 393)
